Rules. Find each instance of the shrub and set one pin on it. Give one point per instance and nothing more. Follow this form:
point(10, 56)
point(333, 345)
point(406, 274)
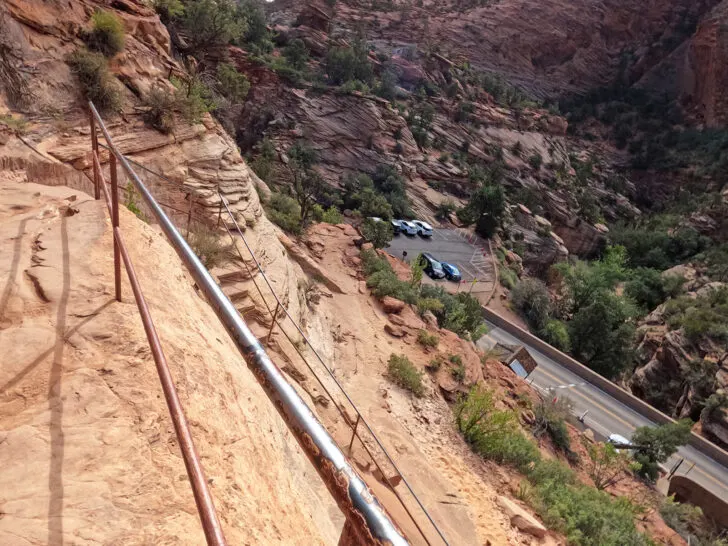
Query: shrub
point(232, 84)
point(507, 277)
point(403, 373)
point(296, 54)
point(551, 415)
point(556, 334)
point(434, 364)
point(386, 283)
point(285, 212)
point(208, 246)
point(517, 148)
point(458, 372)
point(377, 233)
point(531, 298)
point(460, 313)
point(535, 160)
point(349, 63)
point(485, 209)
point(445, 209)
point(97, 83)
point(426, 339)
point(705, 317)
point(210, 24)
point(107, 34)
point(160, 105)
point(658, 444)
point(373, 262)
point(646, 288)
point(332, 215)
point(429, 304)
point(193, 99)
point(168, 9)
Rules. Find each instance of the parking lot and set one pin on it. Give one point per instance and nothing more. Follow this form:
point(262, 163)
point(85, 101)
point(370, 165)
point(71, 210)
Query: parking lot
point(469, 255)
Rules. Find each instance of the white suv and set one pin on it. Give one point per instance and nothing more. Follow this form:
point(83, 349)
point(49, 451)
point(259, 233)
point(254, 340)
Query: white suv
point(423, 228)
point(408, 228)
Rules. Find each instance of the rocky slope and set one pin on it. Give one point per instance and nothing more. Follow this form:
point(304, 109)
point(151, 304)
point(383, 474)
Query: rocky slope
point(89, 453)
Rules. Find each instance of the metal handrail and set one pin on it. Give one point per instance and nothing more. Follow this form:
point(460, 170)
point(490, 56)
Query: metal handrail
point(203, 498)
point(360, 417)
point(274, 314)
point(366, 519)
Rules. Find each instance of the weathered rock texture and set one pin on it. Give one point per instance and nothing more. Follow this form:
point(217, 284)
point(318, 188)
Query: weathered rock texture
point(88, 449)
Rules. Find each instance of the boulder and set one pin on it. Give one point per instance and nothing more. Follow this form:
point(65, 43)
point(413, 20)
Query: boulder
point(520, 518)
point(393, 330)
point(392, 305)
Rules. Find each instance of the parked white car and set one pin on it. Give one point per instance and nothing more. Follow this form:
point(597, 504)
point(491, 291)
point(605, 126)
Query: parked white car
point(408, 228)
point(423, 228)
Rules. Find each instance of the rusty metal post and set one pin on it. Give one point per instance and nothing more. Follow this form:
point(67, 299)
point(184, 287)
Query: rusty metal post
point(115, 223)
point(272, 325)
point(219, 210)
point(95, 150)
point(353, 433)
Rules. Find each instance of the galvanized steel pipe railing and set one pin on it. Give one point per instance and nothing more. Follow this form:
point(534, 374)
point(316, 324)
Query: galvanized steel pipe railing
point(367, 520)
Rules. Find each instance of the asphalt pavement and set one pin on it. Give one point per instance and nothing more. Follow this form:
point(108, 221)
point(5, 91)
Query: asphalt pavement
point(467, 253)
point(609, 416)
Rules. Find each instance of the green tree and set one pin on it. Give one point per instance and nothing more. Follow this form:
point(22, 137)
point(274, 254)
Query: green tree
point(377, 233)
point(390, 183)
point(556, 333)
point(210, 24)
point(344, 64)
point(360, 194)
point(602, 333)
point(168, 9)
point(582, 280)
point(296, 54)
point(233, 84)
point(485, 209)
point(607, 466)
point(531, 298)
point(308, 186)
point(646, 288)
point(657, 444)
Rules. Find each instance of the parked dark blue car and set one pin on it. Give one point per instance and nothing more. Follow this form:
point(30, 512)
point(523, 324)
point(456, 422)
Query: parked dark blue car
point(451, 272)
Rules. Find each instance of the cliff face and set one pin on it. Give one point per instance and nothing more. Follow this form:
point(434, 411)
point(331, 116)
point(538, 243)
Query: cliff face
point(706, 68)
point(551, 46)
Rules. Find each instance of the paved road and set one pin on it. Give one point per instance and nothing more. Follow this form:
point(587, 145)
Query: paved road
point(608, 416)
point(453, 246)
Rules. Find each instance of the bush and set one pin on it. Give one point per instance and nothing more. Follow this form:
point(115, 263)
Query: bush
point(658, 444)
point(373, 262)
point(705, 317)
point(168, 9)
point(556, 334)
point(296, 54)
point(507, 277)
point(349, 63)
point(232, 84)
point(193, 99)
point(429, 304)
point(107, 35)
point(445, 209)
point(97, 83)
point(535, 160)
point(646, 288)
point(386, 283)
point(460, 313)
point(458, 372)
point(531, 298)
point(377, 233)
point(285, 212)
point(485, 209)
point(208, 246)
point(403, 373)
point(211, 24)
point(493, 433)
point(602, 334)
point(426, 339)
point(161, 105)
point(551, 415)
point(517, 149)
point(332, 215)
